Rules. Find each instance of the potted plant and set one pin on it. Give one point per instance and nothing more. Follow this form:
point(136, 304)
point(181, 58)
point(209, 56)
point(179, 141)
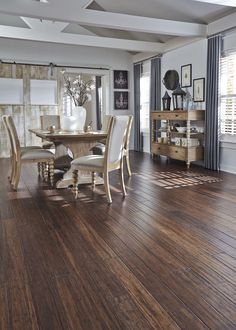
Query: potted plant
point(79, 90)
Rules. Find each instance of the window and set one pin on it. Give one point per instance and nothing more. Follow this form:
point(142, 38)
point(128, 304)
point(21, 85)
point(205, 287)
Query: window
point(228, 95)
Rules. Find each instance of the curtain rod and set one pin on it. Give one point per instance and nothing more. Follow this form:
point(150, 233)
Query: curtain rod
point(54, 65)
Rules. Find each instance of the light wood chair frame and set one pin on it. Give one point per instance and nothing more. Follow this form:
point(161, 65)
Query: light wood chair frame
point(23, 149)
point(106, 168)
point(17, 160)
point(11, 169)
point(126, 145)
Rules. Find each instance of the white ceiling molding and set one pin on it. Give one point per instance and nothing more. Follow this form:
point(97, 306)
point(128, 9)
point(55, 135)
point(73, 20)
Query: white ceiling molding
point(85, 40)
point(179, 42)
point(74, 13)
point(223, 24)
point(168, 47)
point(140, 57)
point(230, 3)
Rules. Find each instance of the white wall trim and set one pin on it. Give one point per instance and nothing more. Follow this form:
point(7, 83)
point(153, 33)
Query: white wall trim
point(229, 169)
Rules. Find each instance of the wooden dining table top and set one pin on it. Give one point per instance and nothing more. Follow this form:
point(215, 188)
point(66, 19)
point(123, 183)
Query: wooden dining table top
point(59, 135)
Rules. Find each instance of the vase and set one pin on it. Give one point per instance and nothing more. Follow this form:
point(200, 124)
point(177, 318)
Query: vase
point(76, 121)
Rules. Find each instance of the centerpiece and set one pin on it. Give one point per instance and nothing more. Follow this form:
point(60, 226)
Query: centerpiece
point(79, 90)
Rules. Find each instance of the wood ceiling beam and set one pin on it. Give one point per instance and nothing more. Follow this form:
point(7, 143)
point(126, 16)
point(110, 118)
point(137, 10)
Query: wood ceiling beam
point(74, 39)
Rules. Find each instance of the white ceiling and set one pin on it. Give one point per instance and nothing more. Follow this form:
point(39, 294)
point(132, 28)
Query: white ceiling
point(132, 25)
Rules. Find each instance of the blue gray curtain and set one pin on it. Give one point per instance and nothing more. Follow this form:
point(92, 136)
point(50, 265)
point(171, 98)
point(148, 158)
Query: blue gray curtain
point(137, 135)
point(211, 123)
point(155, 90)
point(155, 84)
point(98, 85)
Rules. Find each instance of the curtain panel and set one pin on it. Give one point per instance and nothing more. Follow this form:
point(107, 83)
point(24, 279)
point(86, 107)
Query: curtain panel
point(137, 134)
point(211, 158)
point(155, 90)
point(155, 84)
point(98, 84)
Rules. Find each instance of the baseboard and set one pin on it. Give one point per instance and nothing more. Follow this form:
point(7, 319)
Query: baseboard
point(229, 169)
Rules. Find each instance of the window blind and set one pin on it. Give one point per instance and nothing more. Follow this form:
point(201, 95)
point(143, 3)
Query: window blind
point(228, 94)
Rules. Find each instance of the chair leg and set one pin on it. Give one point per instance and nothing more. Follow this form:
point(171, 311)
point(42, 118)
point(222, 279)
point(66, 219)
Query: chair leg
point(75, 183)
point(93, 180)
point(39, 168)
point(51, 172)
point(45, 171)
point(122, 178)
point(107, 187)
point(16, 178)
point(13, 169)
point(10, 171)
point(128, 164)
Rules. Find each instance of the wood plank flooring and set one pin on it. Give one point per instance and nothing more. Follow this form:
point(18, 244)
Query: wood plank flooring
point(158, 259)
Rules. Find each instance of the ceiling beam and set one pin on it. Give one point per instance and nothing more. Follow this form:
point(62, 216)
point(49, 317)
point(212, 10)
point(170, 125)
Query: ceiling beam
point(140, 24)
point(71, 12)
point(75, 39)
point(170, 45)
point(222, 24)
point(230, 3)
point(176, 43)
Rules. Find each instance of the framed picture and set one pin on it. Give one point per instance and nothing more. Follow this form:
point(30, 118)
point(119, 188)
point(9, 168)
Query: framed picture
point(199, 90)
point(120, 79)
point(121, 100)
point(186, 75)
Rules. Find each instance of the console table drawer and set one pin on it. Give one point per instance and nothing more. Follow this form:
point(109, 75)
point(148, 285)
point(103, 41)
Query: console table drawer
point(177, 153)
point(160, 149)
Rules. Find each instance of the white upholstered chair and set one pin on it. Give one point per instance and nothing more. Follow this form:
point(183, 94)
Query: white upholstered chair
point(45, 122)
point(110, 161)
point(99, 149)
point(22, 149)
point(20, 156)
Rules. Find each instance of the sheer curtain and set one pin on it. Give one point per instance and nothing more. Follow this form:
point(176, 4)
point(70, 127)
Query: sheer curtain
point(211, 158)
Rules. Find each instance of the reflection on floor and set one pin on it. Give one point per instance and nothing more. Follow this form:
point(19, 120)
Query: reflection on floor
point(170, 180)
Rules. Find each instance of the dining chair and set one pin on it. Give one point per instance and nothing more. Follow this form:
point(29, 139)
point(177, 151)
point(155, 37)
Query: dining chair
point(99, 148)
point(27, 156)
point(46, 121)
point(62, 163)
point(127, 143)
point(22, 149)
point(110, 161)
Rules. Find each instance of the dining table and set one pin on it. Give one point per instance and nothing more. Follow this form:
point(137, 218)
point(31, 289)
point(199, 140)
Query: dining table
point(79, 143)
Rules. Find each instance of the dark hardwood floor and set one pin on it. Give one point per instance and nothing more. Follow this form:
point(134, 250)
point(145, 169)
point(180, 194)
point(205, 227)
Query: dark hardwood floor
point(159, 259)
